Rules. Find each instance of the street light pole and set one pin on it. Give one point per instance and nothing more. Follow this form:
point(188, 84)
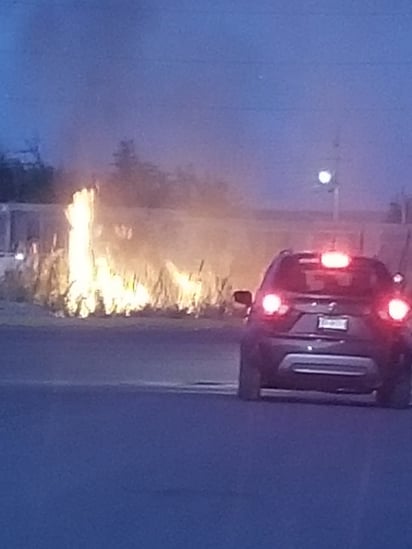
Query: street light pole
point(328, 179)
point(336, 197)
point(336, 203)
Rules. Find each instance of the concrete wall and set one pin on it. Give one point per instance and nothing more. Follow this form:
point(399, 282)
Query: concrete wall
point(238, 248)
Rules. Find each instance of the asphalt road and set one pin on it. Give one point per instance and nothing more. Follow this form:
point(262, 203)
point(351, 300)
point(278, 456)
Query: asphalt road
point(151, 354)
point(116, 466)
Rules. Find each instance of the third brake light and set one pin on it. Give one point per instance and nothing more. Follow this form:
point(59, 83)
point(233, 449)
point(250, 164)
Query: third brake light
point(335, 260)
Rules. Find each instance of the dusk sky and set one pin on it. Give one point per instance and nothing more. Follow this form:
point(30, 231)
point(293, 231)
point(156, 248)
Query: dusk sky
point(254, 92)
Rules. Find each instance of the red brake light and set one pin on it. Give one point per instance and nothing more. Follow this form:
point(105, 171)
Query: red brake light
point(335, 260)
point(271, 304)
point(398, 309)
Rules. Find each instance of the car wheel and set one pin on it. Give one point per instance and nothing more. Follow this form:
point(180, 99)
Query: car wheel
point(396, 391)
point(249, 380)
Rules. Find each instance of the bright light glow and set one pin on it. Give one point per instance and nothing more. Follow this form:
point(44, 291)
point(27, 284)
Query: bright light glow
point(19, 256)
point(325, 177)
point(335, 260)
point(271, 304)
point(398, 309)
point(81, 298)
point(398, 278)
point(92, 282)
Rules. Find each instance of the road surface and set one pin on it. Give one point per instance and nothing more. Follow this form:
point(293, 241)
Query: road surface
point(112, 465)
point(151, 354)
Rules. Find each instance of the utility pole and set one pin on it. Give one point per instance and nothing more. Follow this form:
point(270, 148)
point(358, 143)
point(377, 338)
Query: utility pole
point(404, 207)
point(330, 179)
point(336, 197)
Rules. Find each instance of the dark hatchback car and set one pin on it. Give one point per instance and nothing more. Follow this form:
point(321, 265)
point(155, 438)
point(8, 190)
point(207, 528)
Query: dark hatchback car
point(328, 322)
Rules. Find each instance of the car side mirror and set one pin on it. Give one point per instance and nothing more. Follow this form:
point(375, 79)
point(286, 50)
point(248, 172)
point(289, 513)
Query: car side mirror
point(244, 297)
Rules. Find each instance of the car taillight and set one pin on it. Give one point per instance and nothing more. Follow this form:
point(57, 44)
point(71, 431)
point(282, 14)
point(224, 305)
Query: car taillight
point(398, 309)
point(272, 304)
point(335, 260)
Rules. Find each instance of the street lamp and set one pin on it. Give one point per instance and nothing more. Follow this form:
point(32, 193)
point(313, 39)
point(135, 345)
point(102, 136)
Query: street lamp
point(328, 180)
point(325, 177)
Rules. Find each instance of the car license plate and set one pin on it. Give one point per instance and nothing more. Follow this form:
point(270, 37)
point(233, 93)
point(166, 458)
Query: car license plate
point(332, 323)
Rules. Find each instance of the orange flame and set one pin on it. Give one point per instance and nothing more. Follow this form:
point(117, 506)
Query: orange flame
point(90, 281)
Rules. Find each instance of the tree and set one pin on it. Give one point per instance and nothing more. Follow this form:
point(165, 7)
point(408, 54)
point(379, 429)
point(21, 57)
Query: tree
point(125, 160)
point(394, 214)
point(400, 210)
point(135, 182)
point(28, 180)
point(8, 191)
point(25, 177)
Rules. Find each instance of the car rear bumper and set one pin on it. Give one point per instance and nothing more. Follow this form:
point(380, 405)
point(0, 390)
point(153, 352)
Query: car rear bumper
point(328, 364)
point(320, 364)
point(329, 372)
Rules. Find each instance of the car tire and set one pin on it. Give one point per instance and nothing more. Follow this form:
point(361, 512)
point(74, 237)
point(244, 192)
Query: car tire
point(249, 380)
point(396, 391)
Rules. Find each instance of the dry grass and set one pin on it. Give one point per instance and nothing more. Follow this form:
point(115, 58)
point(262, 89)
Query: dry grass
point(43, 280)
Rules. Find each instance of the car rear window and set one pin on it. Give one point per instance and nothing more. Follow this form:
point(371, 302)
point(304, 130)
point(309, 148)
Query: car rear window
point(363, 278)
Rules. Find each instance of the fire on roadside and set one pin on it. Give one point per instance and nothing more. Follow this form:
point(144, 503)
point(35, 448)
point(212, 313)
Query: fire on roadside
point(189, 289)
point(81, 297)
point(95, 284)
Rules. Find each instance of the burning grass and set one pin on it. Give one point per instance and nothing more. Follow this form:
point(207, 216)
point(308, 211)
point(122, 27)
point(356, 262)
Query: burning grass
point(92, 277)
